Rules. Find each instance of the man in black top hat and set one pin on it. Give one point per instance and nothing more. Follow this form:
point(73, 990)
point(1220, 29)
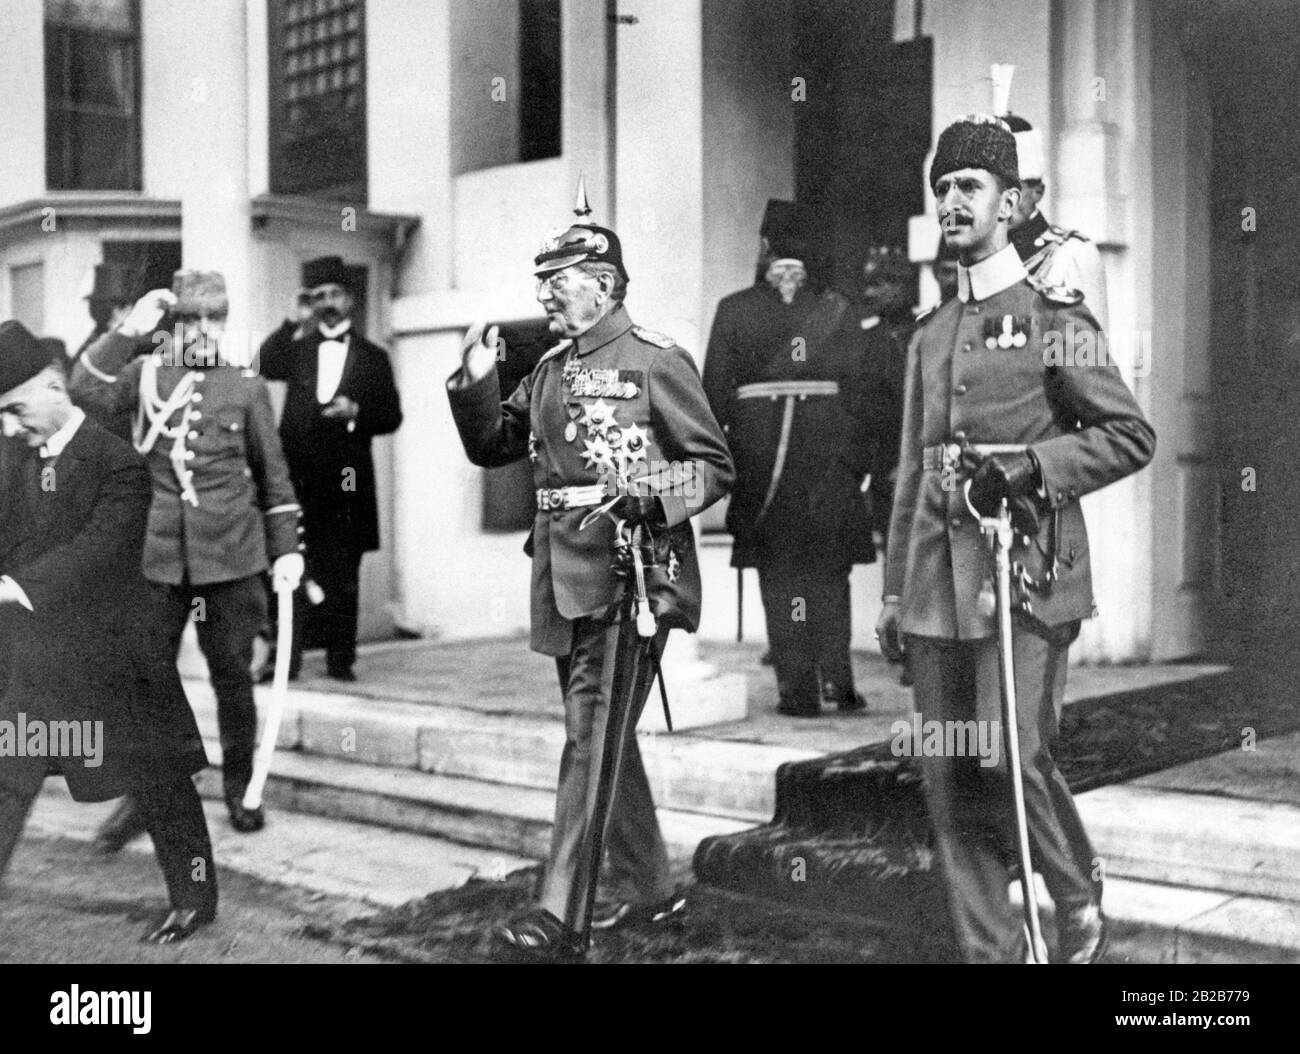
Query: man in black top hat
point(84, 691)
point(785, 380)
point(341, 394)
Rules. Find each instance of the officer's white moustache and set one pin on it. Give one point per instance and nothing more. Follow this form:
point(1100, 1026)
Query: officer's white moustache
point(287, 572)
point(147, 312)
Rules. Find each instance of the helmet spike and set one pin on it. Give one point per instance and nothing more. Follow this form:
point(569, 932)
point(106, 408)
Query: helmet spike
point(581, 207)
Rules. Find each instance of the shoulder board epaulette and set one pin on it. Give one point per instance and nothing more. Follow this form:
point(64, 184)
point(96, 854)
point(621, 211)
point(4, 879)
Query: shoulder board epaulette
point(1064, 235)
point(927, 314)
point(1056, 294)
point(651, 337)
point(552, 352)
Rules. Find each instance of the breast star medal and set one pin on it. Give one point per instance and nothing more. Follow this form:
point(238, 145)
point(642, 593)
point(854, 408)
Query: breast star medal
point(598, 417)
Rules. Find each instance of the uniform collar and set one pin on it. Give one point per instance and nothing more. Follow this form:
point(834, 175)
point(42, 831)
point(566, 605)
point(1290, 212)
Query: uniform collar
point(991, 275)
point(57, 443)
point(608, 329)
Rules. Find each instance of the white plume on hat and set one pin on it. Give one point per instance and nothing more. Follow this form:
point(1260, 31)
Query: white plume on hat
point(1029, 143)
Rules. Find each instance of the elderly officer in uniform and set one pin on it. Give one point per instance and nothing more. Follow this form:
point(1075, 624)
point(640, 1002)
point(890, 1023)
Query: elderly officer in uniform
point(222, 507)
point(987, 401)
point(609, 393)
point(781, 377)
point(75, 654)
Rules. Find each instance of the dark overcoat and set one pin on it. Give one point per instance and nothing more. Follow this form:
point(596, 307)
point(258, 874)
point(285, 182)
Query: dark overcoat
point(817, 510)
point(331, 464)
point(82, 654)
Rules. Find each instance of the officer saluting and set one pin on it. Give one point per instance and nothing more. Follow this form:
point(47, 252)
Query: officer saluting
point(222, 504)
point(984, 403)
point(609, 395)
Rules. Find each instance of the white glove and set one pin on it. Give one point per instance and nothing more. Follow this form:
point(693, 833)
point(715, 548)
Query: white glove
point(147, 313)
point(287, 572)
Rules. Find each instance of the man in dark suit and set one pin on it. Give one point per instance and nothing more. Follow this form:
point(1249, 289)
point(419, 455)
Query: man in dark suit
point(85, 692)
point(782, 380)
point(340, 395)
point(611, 410)
point(1000, 395)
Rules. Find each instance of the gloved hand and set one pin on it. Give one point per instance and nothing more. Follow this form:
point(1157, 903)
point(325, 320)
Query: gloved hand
point(287, 572)
point(479, 352)
point(144, 316)
point(640, 509)
point(1015, 477)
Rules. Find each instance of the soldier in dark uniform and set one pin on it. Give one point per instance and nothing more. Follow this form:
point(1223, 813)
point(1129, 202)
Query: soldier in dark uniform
point(782, 373)
point(986, 403)
point(341, 394)
point(75, 654)
point(886, 323)
point(223, 507)
point(610, 395)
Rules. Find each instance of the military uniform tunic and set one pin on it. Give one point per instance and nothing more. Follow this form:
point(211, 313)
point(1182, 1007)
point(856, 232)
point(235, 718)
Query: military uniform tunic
point(1004, 363)
point(615, 396)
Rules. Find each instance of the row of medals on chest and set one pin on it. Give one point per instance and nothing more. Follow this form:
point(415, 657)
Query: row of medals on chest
point(607, 443)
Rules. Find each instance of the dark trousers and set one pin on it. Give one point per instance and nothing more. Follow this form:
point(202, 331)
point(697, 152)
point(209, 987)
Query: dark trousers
point(173, 816)
point(333, 623)
point(808, 626)
point(637, 856)
point(970, 804)
point(227, 617)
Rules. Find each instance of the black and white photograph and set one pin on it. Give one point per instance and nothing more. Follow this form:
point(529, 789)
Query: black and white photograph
point(599, 482)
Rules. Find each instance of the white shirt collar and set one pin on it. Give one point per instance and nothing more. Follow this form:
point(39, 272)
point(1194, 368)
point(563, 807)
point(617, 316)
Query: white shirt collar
point(54, 446)
point(991, 275)
point(335, 332)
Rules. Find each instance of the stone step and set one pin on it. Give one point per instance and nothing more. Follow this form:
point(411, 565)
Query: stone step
point(510, 819)
point(688, 772)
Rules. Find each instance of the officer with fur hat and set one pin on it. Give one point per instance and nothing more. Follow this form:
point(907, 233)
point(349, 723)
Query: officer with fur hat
point(987, 402)
point(223, 508)
point(787, 381)
point(75, 653)
point(341, 394)
point(612, 411)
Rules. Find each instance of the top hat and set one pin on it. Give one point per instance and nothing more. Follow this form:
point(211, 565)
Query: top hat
point(22, 356)
point(326, 270)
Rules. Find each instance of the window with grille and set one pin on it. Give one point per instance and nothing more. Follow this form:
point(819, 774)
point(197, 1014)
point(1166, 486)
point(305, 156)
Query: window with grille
point(318, 98)
point(92, 94)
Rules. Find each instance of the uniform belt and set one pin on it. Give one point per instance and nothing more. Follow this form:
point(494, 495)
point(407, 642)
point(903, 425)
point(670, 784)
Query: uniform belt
point(947, 456)
point(551, 498)
point(784, 389)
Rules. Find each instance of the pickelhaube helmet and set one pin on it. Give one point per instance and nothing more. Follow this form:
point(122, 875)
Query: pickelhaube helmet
point(581, 242)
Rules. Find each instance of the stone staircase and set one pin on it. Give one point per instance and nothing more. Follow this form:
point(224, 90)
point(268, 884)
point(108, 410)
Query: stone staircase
point(481, 777)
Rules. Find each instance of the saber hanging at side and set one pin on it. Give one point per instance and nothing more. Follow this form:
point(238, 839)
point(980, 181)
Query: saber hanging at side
point(279, 696)
point(998, 532)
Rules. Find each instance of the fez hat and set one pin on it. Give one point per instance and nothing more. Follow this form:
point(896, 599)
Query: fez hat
point(788, 228)
point(581, 243)
point(326, 270)
point(976, 141)
point(1029, 147)
point(200, 293)
point(22, 356)
point(114, 283)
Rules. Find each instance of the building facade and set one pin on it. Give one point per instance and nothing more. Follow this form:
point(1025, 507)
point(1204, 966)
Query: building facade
point(433, 143)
